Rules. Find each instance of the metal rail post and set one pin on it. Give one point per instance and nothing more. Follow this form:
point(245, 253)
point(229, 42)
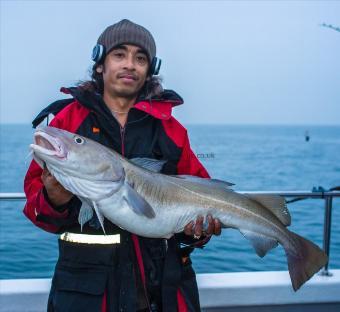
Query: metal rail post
point(327, 232)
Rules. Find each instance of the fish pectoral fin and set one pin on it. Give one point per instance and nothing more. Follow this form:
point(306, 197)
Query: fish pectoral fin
point(85, 214)
point(261, 243)
point(274, 203)
point(99, 215)
point(154, 165)
point(137, 203)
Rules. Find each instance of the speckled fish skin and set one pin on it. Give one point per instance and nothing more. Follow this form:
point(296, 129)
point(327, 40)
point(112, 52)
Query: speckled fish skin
point(152, 204)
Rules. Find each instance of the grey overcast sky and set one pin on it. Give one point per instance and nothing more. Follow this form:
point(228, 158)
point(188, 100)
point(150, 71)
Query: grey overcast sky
point(233, 62)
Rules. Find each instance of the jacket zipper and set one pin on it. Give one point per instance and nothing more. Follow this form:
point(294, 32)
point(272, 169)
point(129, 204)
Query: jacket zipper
point(122, 137)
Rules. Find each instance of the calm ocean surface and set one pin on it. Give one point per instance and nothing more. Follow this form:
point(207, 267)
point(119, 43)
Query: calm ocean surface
point(273, 158)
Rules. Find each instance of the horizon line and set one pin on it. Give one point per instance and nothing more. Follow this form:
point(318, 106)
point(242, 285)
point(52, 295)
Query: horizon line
point(217, 124)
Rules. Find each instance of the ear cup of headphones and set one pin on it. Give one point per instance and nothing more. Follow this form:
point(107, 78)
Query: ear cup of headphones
point(98, 53)
point(155, 66)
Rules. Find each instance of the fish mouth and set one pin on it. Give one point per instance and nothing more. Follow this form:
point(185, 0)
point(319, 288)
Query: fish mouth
point(48, 145)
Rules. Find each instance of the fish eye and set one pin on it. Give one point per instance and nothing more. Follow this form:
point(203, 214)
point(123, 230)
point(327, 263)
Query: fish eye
point(78, 140)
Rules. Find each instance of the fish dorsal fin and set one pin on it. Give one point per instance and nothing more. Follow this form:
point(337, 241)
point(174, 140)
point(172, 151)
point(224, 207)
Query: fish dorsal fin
point(204, 181)
point(137, 203)
point(154, 165)
point(274, 203)
point(262, 244)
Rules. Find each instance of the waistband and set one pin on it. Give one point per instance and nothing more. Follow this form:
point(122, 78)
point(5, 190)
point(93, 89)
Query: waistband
point(90, 239)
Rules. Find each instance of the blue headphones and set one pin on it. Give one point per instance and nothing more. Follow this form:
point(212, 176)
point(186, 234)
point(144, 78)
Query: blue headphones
point(98, 56)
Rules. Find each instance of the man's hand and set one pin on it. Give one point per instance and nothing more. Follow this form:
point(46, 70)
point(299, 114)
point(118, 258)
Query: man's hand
point(57, 194)
point(195, 229)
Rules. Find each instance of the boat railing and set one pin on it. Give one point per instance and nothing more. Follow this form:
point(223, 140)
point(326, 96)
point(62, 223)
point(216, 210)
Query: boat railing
point(320, 193)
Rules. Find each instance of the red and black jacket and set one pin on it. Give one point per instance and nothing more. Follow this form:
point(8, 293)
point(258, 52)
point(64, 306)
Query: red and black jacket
point(151, 131)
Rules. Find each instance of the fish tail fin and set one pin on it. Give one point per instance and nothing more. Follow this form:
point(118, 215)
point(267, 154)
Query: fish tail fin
point(302, 265)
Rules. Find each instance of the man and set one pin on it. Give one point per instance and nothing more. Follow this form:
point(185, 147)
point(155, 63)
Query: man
point(125, 108)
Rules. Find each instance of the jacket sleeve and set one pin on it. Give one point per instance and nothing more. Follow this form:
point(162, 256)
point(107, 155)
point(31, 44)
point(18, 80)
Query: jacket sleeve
point(37, 207)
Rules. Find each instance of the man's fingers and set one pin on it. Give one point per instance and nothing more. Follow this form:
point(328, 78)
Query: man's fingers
point(46, 173)
point(198, 226)
point(49, 180)
point(49, 175)
point(218, 227)
point(188, 229)
point(211, 225)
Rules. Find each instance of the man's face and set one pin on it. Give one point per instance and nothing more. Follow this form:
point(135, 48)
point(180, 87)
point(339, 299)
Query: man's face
point(125, 71)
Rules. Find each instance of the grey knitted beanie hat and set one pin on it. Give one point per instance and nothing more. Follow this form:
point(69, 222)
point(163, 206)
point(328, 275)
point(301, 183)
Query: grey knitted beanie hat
point(128, 32)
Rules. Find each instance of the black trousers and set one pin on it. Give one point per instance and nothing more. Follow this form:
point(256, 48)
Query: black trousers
point(84, 272)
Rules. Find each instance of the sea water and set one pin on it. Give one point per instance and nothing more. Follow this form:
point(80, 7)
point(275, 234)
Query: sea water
point(255, 158)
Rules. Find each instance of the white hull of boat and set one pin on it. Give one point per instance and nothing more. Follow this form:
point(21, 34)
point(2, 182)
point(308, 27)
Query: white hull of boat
point(242, 291)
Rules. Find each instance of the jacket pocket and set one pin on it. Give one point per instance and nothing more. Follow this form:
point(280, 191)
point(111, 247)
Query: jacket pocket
point(81, 280)
point(77, 290)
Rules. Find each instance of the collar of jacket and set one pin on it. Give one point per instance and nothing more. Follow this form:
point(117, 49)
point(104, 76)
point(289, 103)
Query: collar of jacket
point(159, 107)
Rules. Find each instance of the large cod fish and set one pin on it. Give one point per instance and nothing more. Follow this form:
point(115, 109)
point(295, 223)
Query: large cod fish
point(133, 195)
